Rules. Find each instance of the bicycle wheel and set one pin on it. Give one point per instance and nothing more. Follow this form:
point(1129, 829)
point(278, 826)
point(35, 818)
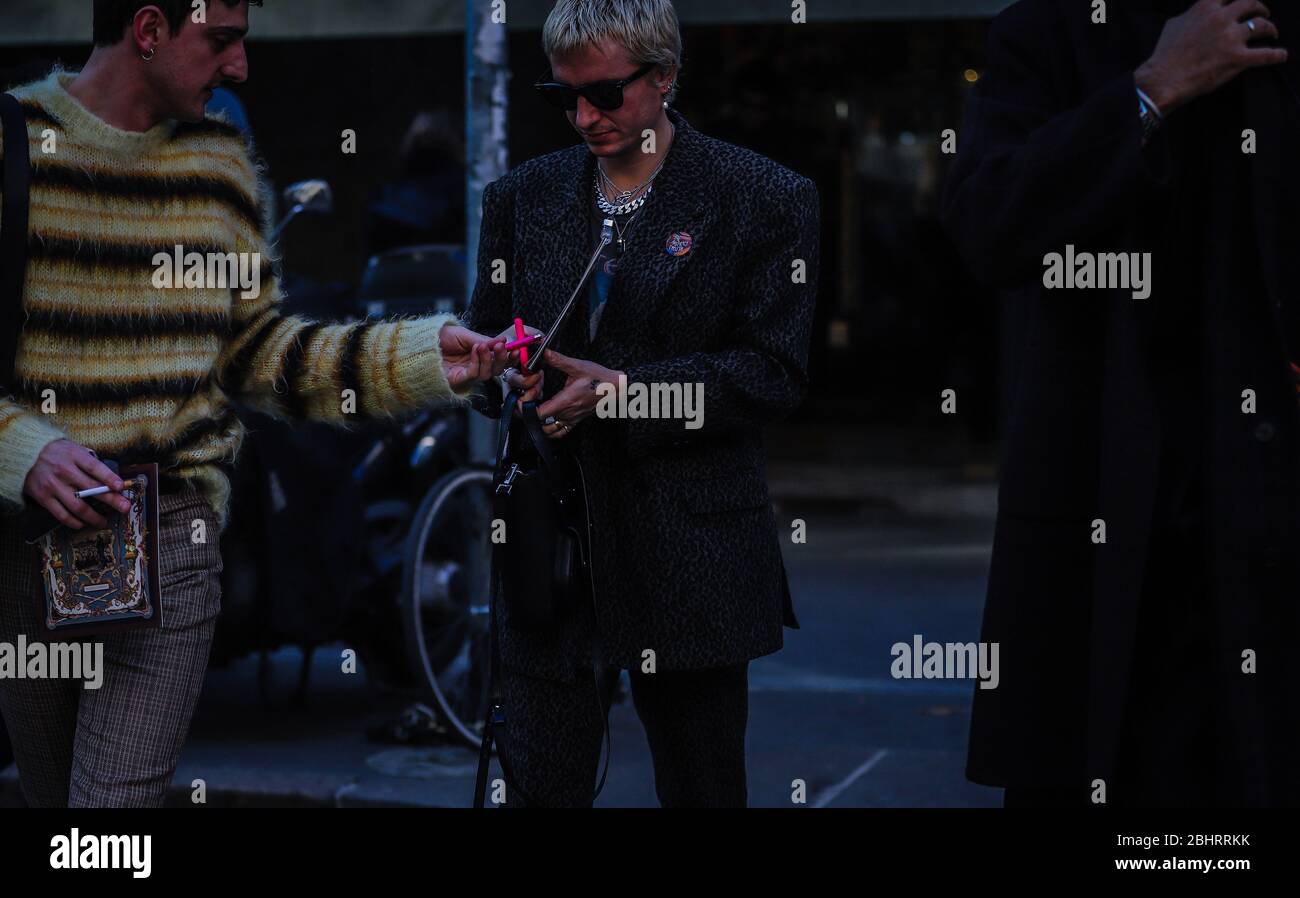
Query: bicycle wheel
point(446, 579)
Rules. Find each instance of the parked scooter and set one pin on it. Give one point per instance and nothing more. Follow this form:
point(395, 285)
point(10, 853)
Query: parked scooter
point(377, 537)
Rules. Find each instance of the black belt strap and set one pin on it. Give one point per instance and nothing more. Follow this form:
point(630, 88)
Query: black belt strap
point(496, 715)
point(13, 234)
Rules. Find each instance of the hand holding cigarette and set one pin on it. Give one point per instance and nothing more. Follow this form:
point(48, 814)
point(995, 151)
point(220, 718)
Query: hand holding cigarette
point(104, 490)
point(62, 470)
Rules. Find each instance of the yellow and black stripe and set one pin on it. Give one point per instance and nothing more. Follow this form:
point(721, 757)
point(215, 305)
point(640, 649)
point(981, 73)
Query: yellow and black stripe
point(144, 373)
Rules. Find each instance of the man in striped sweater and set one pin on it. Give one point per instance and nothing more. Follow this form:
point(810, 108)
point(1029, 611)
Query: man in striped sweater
point(125, 169)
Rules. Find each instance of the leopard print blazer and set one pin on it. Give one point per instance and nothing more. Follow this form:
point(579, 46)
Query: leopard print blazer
point(686, 553)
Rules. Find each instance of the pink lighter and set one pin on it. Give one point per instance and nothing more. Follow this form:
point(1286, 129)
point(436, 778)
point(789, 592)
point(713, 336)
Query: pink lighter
point(523, 350)
point(519, 344)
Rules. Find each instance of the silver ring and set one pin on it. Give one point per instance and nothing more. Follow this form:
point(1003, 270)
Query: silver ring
point(549, 421)
point(565, 426)
point(1250, 23)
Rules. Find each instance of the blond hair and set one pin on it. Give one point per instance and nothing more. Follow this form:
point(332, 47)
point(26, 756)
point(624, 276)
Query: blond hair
point(647, 29)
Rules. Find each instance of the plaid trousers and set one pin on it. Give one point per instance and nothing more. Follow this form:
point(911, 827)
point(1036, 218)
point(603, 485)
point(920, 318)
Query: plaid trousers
point(116, 746)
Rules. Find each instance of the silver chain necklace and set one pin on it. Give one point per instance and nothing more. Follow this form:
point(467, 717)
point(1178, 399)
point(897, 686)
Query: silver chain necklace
point(623, 203)
point(623, 231)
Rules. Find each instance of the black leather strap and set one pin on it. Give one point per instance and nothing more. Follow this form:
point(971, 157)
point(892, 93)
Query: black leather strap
point(542, 445)
point(495, 725)
point(13, 234)
point(503, 424)
point(532, 426)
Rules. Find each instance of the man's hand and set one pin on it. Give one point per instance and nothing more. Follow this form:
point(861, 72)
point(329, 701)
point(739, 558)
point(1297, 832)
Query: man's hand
point(1205, 48)
point(517, 378)
point(468, 357)
point(62, 469)
point(577, 401)
point(529, 384)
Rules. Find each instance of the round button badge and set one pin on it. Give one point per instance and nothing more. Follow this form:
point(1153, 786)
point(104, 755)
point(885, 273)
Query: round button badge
point(679, 244)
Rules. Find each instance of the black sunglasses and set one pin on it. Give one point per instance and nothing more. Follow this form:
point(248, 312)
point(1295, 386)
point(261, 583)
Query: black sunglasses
point(605, 95)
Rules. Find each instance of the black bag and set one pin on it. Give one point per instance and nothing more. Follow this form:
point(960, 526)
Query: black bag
point(539, 494)
point(542, 571)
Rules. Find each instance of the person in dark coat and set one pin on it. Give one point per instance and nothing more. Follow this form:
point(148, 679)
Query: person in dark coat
point(712, 281)
point(6, 749)
point(1145, 568)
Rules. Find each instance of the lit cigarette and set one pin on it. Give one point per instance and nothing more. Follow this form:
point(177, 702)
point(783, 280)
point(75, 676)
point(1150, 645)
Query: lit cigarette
point(104, 490)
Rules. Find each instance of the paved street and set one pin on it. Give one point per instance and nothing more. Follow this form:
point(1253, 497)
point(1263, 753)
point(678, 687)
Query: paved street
point(824, 710)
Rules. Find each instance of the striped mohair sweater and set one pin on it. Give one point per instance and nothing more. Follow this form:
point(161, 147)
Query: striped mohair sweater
point(139, 372)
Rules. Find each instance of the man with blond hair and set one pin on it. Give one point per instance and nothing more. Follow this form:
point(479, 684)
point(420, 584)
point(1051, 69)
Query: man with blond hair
point(707, 288)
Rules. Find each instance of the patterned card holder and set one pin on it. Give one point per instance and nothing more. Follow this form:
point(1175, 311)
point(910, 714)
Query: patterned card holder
point(105, 581)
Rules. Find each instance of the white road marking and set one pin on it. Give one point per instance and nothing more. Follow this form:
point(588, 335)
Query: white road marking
point(857, 552)
point(834, 791)
point(797, 681)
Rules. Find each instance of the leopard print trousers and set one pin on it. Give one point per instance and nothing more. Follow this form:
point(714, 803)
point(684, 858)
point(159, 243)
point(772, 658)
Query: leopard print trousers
point(694, 721)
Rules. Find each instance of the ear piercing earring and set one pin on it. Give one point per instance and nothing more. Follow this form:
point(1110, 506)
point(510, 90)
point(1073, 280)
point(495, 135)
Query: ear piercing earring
point(147, 56)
